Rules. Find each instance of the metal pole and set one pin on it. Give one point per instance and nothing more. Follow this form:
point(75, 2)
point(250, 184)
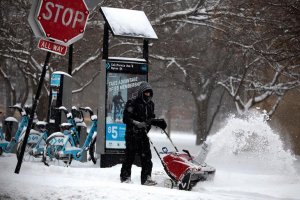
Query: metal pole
point(146, 50)
point(35, 101)
point(70, 67)
point(105, 42)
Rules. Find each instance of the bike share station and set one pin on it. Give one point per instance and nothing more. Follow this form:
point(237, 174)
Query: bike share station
point(58, 24)
point(119, 80)
point(60, 95)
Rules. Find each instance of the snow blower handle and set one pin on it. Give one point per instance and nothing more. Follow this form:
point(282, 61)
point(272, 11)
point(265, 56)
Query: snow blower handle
point(161, 123)
point(170, 140)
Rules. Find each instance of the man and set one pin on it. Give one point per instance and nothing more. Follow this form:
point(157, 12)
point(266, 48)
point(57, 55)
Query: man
point(136, 113)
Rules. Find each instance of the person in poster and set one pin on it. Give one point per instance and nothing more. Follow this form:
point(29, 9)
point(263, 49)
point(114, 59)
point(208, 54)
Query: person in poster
point(137, 112)
point(118, 105)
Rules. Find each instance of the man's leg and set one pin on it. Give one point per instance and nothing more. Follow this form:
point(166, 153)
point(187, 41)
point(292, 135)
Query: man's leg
point(145, 155)
point(128, 161)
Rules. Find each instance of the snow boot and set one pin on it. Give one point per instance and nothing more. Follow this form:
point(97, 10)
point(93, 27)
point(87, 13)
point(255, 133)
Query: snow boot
point(126, 180)
point(149, 182)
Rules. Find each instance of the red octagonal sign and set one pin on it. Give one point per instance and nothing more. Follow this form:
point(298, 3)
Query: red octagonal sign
point(63, 20)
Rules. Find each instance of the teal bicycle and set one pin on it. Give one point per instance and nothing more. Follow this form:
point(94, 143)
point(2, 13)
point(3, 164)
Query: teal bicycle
point(8, 146)
point(35, 143)
point(61, 146)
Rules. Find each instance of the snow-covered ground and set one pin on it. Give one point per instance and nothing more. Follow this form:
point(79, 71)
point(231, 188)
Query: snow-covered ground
point(251, 163)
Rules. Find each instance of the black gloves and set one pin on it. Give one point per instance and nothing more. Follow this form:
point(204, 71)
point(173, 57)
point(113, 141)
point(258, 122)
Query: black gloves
point(140, 125)
point(161, 123)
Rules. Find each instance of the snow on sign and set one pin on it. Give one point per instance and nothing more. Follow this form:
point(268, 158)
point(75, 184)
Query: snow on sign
point(52, 47)
point(128, 23)
point(62, 20)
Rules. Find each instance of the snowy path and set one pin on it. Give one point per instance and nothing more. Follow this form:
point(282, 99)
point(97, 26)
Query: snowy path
point(37, 181)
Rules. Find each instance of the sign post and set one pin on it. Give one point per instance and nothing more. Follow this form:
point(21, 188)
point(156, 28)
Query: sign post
point(52, 47)
point(34, 105)
point(63, 21)
point(60, 23)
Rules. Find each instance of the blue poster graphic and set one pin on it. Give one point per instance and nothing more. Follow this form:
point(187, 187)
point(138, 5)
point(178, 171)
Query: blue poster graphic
point(55, 80)
point(115, 136)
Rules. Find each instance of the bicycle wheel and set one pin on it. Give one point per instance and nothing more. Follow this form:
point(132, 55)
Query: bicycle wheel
point(92, 150)
point(28, 150)
point(52, 155)
point(69, 160)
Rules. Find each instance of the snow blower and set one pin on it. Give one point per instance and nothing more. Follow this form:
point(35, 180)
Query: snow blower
point(184, 170)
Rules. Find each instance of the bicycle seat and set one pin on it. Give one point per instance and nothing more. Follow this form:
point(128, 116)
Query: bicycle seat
point(81, 124)
point(65, 126)
point(41, 125)
point(11, 119)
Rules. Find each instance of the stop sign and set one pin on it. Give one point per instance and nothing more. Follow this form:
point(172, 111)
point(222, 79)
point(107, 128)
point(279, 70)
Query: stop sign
point(62, 20)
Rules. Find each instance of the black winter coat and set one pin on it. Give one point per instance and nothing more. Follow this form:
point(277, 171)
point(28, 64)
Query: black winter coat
point(139, 110)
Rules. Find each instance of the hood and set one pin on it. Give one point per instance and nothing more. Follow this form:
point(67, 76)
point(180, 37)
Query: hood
point(143, 87)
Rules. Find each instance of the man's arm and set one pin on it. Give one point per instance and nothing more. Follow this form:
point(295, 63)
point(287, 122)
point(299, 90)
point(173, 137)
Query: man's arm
point(128, 113)
point(128, 116)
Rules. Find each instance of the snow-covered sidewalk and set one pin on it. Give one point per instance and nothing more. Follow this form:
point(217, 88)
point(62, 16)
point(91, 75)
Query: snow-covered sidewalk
point(239, 175)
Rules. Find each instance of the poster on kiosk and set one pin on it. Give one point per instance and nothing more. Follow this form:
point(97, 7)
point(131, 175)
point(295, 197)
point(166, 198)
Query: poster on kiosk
point(122, 82)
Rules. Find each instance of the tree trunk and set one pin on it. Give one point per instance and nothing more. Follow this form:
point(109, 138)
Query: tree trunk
point(169, 117)
point(200, 122)
point(42, 109)
point(10, 94)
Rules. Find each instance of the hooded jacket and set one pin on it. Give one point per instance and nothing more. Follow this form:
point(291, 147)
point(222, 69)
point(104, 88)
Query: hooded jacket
point(139, 109)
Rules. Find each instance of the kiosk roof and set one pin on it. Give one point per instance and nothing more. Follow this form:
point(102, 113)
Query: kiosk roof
point(128, 23)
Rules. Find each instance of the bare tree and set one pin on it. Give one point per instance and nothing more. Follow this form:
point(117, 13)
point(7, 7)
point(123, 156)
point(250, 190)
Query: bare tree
point(265, 38)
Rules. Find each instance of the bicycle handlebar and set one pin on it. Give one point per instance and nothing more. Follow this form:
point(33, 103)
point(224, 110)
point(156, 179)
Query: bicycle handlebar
point(19, 109)
point(62, 108)
point(73, 113)
point(87, 109)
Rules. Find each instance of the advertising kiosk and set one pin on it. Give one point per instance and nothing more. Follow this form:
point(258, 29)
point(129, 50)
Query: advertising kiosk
point(119, 80)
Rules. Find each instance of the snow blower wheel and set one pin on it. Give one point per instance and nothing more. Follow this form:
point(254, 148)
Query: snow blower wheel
point(169, 183)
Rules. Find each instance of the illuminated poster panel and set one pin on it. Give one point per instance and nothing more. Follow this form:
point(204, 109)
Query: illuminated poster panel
point(122, 81)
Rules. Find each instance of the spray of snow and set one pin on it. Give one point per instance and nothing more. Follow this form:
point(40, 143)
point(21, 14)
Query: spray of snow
point(249, 144)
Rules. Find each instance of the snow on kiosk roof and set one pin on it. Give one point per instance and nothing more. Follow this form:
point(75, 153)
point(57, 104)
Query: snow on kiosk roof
point(128, 23)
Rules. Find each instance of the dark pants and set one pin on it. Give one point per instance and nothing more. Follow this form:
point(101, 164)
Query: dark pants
point(137, 145)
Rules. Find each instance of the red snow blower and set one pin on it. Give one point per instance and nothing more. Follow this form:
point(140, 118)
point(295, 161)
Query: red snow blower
point(184, 170)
